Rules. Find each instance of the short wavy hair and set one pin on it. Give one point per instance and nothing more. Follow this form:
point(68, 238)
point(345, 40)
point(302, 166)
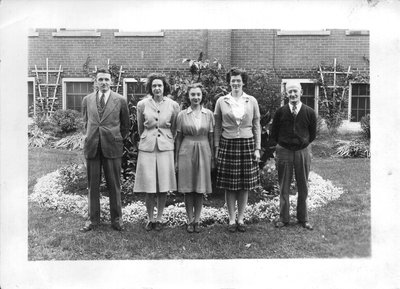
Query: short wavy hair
point(160, 76)
point(237, 71)
point(203, 92)
point(103, 70)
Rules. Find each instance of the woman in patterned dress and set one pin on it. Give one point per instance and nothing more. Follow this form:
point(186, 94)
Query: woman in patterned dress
point(237, 137)
point(194, 154)
point(155, 174)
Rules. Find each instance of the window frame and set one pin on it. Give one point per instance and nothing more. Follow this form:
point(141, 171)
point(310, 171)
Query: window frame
point(351, 98)
point(303, 80)
point(130, 80)
point(33, 80)
point(64, 87)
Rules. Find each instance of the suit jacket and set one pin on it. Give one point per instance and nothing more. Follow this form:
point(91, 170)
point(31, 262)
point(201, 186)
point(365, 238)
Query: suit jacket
point(157, 125)
point(110, 130)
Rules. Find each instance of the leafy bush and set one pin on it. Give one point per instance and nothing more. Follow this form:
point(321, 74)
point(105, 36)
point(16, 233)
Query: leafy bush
point(268, 95)
point(365, 126)
point(320, 124)
point(46, 126)
point(71, 142)
point(357, 148)
point(269, 179)
point(73, 179)
point(36, 137)
point(67, 120)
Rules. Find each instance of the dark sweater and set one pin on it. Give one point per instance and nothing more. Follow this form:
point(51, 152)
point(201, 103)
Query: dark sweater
point(294, 133)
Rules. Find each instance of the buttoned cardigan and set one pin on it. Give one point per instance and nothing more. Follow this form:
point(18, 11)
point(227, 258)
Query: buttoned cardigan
point(226, 125)
point(157, 124)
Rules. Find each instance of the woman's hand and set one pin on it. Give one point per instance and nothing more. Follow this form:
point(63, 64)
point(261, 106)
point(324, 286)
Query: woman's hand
point(257, 156)
point(215, 156)
point(176, 166)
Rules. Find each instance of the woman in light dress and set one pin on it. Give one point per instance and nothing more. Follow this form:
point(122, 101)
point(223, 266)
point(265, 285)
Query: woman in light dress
point(155, 171)
point(194, 155)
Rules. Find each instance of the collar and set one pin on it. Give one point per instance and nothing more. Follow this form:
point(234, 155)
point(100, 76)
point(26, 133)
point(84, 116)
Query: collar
point(298, 106)
point(190, 110)
point(229, 96)
point(106, 94)
point(152, 99)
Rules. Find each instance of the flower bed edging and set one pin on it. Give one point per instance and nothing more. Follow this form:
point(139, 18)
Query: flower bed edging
point(48, 193)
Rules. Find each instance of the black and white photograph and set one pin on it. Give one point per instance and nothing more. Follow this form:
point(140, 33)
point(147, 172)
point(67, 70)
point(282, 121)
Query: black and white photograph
point(202, 144)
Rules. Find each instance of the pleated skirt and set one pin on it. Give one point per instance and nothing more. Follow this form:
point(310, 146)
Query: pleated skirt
point(155, 172)
point(194, 165)
point(236, 168)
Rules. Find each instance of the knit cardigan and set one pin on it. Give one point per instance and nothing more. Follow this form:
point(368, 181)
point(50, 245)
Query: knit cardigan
point(294, 133)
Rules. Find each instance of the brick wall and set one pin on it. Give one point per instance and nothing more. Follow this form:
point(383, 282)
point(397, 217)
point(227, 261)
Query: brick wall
point(286, 56)
point(310, 51)
point(250, 49)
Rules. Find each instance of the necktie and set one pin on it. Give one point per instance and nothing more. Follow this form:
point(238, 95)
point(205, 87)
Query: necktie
point(294, 112)
point(102, 102)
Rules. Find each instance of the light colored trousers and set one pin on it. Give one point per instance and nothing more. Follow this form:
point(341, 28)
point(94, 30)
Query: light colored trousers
point(300, 162)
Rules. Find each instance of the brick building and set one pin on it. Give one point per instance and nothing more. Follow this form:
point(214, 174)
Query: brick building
point(288, 54)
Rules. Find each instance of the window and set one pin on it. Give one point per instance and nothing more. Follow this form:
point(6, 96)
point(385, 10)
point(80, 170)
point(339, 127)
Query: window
point(308, 96)
point(134, 90)
point(74, 90)
point(31, 97)
point(359, 101)
point(310, 90)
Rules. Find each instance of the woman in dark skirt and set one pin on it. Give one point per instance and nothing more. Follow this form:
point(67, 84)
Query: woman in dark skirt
point(237, 136)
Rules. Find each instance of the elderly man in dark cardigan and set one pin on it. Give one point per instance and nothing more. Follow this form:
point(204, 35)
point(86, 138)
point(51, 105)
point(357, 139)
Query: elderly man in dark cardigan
point(293, 129)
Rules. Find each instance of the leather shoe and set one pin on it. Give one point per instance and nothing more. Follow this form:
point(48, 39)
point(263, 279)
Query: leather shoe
point(241, 227)
point(280, 224)
point(232, 228)
point(307, 225)
point(149, 226)
point(196, 227)
point(157, 226)
point(87, 228)
point(190, 228)
point(117, 227)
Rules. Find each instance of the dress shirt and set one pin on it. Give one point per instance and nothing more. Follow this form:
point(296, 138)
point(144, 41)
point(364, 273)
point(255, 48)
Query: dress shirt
point(298, 106)
point(237, 107)
point(106, 95)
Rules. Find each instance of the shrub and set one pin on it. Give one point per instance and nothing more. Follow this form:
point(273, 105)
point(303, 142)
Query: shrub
point(365, 126)
point(320, 124)
point(269, 179)
point(357, 148)
point(73, 179)
point(45, 125)
point(36, 137)
point(268, 95)
point(67, 120)
point(71, 142)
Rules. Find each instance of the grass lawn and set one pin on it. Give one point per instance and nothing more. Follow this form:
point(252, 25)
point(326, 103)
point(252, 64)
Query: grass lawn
point(341, 228)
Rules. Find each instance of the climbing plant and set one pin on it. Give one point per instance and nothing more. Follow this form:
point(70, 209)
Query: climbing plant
point(334, 84)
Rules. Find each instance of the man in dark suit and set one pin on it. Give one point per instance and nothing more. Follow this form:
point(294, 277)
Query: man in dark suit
point(293, 129)
point(106, 118)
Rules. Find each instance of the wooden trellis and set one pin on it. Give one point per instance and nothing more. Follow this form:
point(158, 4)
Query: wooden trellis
point(45, 99)
point(335, 73)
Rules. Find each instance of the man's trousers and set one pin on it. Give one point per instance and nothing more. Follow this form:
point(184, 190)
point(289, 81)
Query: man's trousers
point(287, 161)
point(112, 174)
